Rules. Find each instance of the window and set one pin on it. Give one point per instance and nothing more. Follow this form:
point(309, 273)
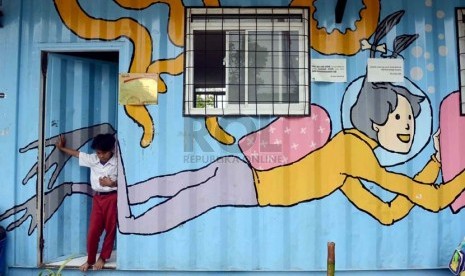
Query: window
point(460, 20)
point(243, 61)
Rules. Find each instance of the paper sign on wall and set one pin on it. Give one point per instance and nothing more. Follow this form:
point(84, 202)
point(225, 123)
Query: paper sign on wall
point(329, 70)
point(385, 70)
point(138, 88)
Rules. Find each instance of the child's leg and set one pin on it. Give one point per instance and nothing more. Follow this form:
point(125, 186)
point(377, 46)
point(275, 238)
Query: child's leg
point(96, 227)
point(84, 267)
point(99, 264)
point(232, 184)
point(109, 208)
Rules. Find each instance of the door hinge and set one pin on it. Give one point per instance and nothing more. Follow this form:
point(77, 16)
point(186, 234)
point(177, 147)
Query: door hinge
point(44, 63)
point(41, 245)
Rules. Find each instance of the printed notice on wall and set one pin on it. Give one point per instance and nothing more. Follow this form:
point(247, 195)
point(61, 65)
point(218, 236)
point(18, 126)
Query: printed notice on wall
point(385, 70)
point(138, 88)
point(329, 70)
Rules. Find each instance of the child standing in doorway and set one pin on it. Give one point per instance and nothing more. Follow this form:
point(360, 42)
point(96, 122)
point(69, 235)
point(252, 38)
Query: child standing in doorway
point(103, 174)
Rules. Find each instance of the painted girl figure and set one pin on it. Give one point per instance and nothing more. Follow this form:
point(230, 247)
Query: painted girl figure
point(383, 116)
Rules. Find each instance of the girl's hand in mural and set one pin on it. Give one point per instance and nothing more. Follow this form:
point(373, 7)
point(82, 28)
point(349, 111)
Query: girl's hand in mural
point(76, 139)
point(436, 144)
point(53, 199)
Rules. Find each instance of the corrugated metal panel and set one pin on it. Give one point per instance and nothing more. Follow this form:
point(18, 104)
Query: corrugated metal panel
point(243, 238)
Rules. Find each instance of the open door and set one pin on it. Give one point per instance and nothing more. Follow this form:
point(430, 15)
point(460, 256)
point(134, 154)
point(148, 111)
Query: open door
point(78, 93)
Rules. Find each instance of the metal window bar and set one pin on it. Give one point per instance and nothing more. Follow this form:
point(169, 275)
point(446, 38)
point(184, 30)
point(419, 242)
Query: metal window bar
point(306, 44)
point(188, 69)
point(223, 49)
point(216, 93)
point(204, 77)
point(280, 60)
point(460, 23)
point(288, 90)
point(273, 67)
point(255, 62)
point(239, 104)
point(255, 16)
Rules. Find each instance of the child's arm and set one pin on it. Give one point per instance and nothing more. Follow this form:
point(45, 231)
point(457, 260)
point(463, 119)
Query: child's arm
point(60, 144)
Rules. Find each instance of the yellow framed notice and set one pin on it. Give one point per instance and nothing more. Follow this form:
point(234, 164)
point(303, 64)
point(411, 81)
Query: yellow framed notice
point(138, 88)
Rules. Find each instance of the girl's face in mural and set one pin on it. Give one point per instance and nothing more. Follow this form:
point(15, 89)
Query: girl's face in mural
point(396, 134)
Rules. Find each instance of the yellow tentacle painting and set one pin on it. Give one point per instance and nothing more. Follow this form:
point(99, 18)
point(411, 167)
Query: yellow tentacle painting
point(338, 42)
point(176, 16)
point(85, 26)
point(167, 66)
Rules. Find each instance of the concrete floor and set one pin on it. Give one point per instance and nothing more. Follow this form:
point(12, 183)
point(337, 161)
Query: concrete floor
point(77, 262)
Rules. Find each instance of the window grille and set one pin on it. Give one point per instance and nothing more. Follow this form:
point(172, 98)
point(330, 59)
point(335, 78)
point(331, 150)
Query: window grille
point(246, 61)
point(460, 21)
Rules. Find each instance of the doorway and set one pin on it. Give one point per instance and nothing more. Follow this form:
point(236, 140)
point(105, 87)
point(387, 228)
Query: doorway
point(79, 93)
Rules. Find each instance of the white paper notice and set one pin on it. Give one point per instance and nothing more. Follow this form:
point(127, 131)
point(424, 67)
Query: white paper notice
point(385, 70)
point(329, 70)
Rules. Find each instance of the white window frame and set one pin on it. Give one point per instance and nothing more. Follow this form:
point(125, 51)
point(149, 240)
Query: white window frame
point(246, 26)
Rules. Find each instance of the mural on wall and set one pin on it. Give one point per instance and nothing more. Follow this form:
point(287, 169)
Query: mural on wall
point(80, 23)
point(384, 124)
point(55, 196)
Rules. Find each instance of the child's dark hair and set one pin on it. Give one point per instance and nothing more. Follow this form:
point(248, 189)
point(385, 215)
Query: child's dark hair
point(103, 142)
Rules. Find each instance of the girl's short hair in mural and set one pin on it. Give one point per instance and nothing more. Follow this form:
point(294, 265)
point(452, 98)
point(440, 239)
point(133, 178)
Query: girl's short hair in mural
point(376, 101)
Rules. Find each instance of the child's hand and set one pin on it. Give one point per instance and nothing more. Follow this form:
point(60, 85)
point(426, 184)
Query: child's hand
point(61, 142)
point(106, 182)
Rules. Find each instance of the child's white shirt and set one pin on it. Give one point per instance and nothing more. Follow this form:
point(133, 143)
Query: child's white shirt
point(97, 170)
